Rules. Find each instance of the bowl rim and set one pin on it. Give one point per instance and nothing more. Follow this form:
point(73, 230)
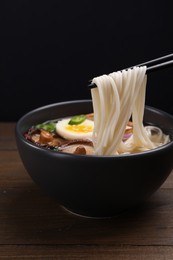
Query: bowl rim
point(19, 135)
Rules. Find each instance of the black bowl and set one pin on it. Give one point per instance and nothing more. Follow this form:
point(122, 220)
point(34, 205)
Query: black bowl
point(95, 186)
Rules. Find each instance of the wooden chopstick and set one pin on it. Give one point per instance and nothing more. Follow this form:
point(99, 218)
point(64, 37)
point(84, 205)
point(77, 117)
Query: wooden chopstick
point(166, 61)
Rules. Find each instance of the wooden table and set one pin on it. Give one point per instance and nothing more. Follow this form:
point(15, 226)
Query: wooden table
point(34, 226)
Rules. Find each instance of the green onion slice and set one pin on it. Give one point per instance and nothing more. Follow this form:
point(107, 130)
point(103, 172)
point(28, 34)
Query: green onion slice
point(47, 126)
point(76, 120)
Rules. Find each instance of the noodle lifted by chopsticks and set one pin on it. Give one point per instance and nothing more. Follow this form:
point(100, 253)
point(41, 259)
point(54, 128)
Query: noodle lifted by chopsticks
point(119, 96)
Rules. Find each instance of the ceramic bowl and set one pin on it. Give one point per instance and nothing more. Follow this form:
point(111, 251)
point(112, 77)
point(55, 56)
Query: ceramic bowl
point(95, 186)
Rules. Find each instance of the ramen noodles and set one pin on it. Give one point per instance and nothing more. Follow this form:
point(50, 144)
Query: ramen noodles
point(118, 97)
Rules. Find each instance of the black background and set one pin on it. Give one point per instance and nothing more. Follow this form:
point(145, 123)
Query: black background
point(50, 49)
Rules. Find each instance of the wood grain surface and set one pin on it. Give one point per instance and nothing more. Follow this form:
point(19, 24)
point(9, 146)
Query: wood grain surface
point(34, 226)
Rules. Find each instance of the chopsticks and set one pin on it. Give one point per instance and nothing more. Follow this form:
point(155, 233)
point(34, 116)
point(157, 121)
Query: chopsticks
point(152, 65)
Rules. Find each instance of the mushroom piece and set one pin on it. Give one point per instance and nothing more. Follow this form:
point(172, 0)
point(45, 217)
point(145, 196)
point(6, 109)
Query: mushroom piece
point(45, 137)
point(78, 149)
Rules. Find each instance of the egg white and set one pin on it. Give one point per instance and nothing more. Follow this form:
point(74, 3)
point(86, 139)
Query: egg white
point(69, 134)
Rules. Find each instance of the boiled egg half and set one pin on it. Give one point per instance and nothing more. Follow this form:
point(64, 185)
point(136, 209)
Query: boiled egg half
point(72, 131)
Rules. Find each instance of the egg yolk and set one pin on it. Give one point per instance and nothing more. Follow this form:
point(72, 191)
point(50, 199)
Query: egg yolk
point(79, 128)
